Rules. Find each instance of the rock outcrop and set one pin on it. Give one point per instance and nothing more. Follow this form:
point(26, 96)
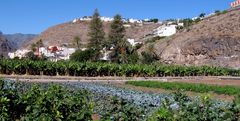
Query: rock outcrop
point(5, 46)
point(213, 41)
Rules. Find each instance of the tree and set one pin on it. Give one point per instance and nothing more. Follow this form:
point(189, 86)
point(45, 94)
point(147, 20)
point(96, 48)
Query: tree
point(202, 15)
point(217, 11)
point(155, 20)
point(31, 56)
point(33, 47)
point(96, 34)
point(149, 55)
point(40, 43)
point(82, 56)
point(122, 51)
point(77, 41)
point(117, 40)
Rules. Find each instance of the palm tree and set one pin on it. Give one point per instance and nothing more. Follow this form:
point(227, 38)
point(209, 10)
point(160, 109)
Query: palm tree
point(77, 41)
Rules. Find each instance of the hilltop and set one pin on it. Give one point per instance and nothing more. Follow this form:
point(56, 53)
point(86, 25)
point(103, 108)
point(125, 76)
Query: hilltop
point(19, 39)
point(213, 41)
point(63, 34)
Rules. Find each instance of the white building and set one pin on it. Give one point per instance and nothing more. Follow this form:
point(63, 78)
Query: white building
point(76, 20)
point(19, 53)
point(165, 30)
point(11, 55)
point(106, 19)
point(65, 53)
point(180, 24)
point(132, 42)
point(131, 20)
point(127, 25)
point(85, 19)
point(105, 53)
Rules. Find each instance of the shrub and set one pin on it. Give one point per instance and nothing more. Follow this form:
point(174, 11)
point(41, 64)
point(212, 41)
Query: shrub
point(39, 103)
point(82, 56)
point(183, 108)
point(121, 110)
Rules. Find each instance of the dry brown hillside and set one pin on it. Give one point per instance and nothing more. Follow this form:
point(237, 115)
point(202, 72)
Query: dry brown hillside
point(64, 33)
point(213, 41)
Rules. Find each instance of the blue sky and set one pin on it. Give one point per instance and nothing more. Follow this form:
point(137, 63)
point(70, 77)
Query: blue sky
point(35, 16)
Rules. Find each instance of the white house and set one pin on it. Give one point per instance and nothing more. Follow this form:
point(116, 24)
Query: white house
point(76, 20)
point(127, 25)
point(180, 24)
point(105, 53)
point(86, 18)
point(131, 20)
point(11, 55)
point(165, 30)
point(19, 53)
point(65, 53)
point(106, 19)
point(132, 42)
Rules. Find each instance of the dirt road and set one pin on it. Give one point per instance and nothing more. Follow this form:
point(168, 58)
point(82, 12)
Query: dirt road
point(234, 81)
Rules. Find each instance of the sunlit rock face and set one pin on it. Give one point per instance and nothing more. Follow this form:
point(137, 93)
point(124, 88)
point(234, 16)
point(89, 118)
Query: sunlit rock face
point(213, 41)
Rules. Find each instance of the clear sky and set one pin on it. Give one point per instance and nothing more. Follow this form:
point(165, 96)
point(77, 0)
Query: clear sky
point(34, 16)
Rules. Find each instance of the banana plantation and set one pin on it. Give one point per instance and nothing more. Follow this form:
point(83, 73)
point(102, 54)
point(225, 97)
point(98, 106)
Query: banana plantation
point(92, 69)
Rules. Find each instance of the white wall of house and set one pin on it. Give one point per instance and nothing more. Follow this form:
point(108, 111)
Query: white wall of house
point(19, 53)
point(132, 42)
point(165, 30)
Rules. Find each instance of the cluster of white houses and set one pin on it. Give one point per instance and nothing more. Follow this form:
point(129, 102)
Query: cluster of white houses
point(53, 53)
point(109, 19)
point(56, 53)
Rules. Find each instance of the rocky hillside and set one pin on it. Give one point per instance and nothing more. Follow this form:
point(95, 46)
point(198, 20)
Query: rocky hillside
point(19, 39)
point(64, 33)
point(12, 42)
point(5, 45)
point(213, 41)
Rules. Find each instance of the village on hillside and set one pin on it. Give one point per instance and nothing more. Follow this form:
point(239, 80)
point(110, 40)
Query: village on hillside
point(166, 28)
point(55, 53)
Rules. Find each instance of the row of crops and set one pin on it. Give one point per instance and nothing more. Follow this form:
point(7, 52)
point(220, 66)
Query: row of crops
point(201, 88)
point(59, 102)
point(70, 68)
point(56, 102)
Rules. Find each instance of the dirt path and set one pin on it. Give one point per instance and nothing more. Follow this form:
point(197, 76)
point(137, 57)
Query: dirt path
point(234, 81)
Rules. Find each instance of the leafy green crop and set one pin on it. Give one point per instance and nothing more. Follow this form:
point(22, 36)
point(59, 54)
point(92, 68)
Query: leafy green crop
point(91, 69)
point(183, 108)
point(202, 88)
point(43, 104)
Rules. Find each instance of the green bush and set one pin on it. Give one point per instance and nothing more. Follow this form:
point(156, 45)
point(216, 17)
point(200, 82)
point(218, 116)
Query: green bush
point(82, 56)
point(43, 104)
point(121, 110)
point(183, 108)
